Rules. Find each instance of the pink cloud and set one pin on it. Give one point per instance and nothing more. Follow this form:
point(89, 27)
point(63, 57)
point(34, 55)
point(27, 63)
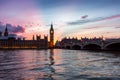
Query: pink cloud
point(20, 12)
point(112, 17)
point(117, 27)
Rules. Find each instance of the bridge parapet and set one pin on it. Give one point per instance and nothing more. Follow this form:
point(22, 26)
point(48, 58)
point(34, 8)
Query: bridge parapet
point(111, 41)
point(88, 43)
point(92, 42)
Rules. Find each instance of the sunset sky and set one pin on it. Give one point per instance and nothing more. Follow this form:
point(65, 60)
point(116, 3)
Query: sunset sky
point(74, 18)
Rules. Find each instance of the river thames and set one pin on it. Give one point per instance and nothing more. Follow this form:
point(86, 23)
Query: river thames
point(59, 64)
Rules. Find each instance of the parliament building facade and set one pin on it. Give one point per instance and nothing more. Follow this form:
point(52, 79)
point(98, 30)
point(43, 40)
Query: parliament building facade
point(9, 41)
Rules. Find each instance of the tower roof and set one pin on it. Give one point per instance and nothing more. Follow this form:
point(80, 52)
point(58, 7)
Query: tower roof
point(51, 27)
point(6, 31)
point(6, 28)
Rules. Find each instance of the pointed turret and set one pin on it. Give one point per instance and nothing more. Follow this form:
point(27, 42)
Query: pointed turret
point(6, 31)
point(52, 27)
point(33, 37)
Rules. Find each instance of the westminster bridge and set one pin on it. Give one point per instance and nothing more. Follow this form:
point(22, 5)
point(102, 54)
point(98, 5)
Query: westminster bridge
point(89, 44)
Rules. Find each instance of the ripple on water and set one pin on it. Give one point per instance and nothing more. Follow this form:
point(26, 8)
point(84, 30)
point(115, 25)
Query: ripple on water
point(59, 65)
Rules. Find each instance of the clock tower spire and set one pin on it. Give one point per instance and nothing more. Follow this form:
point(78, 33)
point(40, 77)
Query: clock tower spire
point(51, 36)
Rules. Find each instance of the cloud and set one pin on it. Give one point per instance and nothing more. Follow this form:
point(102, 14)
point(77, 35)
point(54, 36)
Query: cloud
point(112, 17)
point(117, 27)
point(94, 27)
point(11, 28)
point(80, 22)
point(84, 21)
point(84, 17)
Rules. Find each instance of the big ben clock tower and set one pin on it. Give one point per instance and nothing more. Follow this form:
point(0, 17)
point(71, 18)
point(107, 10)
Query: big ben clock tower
point(51, 36)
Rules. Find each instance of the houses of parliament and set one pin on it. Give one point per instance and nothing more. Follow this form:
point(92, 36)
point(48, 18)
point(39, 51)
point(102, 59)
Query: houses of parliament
point(7, 41)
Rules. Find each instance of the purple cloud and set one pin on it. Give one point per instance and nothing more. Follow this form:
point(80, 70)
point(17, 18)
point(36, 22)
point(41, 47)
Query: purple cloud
point(84, 17)
point(117, 27)
point(11, 28)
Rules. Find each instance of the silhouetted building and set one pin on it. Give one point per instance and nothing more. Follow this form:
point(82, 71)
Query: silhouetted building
point(51, 43)
point(6, 31)
point(68, 41)
point(0, 33)
point(33, 37)
point(91, 39)
point(10, 41)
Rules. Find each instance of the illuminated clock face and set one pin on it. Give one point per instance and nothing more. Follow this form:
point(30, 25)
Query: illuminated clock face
point(51, 31)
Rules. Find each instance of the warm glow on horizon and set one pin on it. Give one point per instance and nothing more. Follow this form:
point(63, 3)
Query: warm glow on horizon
point(74, 19)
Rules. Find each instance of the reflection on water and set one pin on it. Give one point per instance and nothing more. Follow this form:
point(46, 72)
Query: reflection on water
point(56, 64)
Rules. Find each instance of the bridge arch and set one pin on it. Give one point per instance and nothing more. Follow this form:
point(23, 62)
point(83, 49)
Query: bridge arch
point(67, 47)
point(63, 47)
point(76, 47)
point(112, 46)
point(92, 46)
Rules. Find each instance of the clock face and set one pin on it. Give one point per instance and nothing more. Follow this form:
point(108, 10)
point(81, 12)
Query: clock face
point(51, 31)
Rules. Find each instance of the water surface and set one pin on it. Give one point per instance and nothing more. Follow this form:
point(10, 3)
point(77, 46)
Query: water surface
point(59, 64)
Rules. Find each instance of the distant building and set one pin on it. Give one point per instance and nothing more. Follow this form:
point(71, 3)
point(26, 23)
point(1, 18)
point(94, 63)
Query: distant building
point(67, 41)
point(9, 41)
point(71, 41)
